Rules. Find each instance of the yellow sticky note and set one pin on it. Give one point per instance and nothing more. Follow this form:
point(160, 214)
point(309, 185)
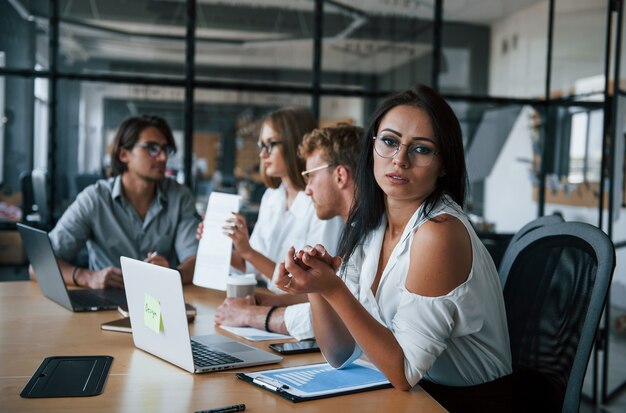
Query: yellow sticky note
point(152, 317)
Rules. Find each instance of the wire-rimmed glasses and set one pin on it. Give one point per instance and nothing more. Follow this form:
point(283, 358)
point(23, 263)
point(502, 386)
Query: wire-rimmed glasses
point(419, 153)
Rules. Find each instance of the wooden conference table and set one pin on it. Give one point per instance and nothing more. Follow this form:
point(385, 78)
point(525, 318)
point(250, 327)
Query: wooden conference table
point(33, 327)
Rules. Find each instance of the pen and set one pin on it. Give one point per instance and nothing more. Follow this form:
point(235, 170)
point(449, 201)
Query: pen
point(225, 409)
point(270, 384)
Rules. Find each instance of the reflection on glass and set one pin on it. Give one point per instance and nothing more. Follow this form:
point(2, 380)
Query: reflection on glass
point(24, 34)
point(376, 46)
point(122, 37)
point(16, 131)
point(273, 45)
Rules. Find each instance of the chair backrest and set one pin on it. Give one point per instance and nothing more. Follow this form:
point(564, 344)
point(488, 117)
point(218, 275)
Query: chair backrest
point(537, 223)
point(556, 280)
point(82, 181)
point(28, 199)
point(529, 227)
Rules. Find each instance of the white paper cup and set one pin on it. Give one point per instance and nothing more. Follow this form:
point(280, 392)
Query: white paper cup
point(240, 285)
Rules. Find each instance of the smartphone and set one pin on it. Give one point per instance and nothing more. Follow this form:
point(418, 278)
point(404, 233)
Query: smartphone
point(190, 310)
point(305, 346)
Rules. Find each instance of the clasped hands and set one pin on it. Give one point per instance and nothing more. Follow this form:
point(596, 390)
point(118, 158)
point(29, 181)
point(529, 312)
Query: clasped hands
point(309, 270)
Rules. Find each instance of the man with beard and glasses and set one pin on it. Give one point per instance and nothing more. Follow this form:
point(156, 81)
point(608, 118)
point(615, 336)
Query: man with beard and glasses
point(138, 213)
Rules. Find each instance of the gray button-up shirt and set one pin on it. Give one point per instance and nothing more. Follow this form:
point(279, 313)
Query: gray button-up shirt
point(107, 222)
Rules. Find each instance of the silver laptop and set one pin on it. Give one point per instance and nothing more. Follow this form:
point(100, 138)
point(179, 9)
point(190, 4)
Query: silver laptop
point(41, 257)
point(159, 324)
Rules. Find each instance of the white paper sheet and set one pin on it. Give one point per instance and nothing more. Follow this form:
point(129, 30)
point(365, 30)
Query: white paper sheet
point(254, 334)
point(214, 251)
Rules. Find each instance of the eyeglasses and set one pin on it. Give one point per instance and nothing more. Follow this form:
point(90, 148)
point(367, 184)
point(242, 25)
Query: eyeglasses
point(269, 147)
point(154, 149)
point(418, 153)
point(307, 174)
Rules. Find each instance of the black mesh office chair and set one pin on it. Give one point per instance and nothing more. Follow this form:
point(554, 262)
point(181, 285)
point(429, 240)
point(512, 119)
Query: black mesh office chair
point(556, 280)
point(530, 226)
point(537, 223)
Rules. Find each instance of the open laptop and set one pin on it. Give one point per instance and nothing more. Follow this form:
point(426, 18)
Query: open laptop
point(41, 257)
point(155, 293)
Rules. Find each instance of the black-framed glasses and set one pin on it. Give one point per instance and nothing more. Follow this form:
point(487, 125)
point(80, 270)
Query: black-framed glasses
point(419, 154)
point(268, 147)
point(154, 149)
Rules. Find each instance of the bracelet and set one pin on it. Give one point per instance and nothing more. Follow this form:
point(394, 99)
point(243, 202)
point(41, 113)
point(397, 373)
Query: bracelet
point(74, 276)
point(267, 318)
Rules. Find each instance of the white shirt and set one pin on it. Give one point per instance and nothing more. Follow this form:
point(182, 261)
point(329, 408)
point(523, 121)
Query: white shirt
point(459, 339)
point(277, 229)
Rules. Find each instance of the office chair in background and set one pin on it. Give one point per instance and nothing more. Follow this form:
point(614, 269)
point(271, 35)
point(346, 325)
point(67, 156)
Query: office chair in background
point(556, 279)
point(35, 198)
point(40, 195)
point(28, 199)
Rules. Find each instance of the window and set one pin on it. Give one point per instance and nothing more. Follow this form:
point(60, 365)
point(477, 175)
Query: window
point(585, 149)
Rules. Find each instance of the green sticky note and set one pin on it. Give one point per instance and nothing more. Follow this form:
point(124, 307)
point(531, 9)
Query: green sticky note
point(152, 317)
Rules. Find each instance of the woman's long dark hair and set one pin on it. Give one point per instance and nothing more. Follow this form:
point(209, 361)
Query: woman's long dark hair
point(369, 201)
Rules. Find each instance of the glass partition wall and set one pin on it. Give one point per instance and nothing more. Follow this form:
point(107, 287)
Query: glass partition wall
point(531, 81)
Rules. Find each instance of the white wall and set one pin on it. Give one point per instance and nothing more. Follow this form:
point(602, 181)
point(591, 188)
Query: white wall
point(578, 48)
point(508, 189)
point(520, 72)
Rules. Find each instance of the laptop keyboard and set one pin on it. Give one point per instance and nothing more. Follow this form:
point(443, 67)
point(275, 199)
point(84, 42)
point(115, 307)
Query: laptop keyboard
point(203, 356)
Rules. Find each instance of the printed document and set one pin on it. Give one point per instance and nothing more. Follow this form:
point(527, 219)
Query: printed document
point(215, 248)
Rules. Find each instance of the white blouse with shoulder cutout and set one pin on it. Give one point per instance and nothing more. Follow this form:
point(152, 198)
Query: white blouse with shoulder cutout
point(460, 339)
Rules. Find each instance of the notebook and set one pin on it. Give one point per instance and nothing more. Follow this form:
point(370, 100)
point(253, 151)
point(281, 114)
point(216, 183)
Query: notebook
point(41, 257)
point(157, 312)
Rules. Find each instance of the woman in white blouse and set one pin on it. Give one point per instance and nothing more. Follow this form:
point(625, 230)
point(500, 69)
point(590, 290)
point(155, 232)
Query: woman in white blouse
point(419, 295)
point(286, 218)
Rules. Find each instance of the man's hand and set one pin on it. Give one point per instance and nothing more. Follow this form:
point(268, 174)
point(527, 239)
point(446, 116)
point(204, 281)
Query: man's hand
point(155, 258)
point(110, 277)
point(235, 312)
